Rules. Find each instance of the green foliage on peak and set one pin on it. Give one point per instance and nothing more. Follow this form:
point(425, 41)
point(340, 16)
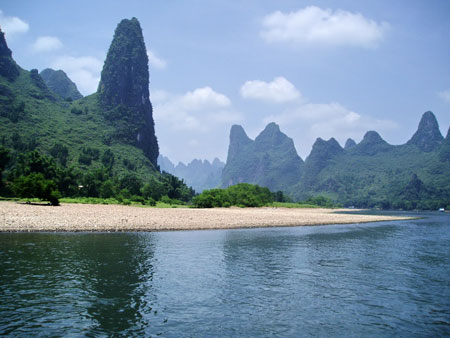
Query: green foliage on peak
point(59, 83)
point(123, 92)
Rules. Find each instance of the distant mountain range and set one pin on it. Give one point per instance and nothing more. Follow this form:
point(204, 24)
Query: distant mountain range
point(371, 173)
point(198, 174)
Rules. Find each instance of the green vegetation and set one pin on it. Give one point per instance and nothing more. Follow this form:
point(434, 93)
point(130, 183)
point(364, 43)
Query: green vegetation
point(59, 83)
point(93, 147)
point(242, 195)
point(250, 195)
point(33, 175)
point(35, 185)
point(402, 178)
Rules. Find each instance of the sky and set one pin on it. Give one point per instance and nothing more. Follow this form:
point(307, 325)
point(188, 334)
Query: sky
point(317, 68)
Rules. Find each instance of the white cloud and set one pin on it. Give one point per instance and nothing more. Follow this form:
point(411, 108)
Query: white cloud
point(193, 125)
point(84, 71)
point(204, 98)
point(306, 122)
point(46, 44)
point(12, 25)
point(155, 61)
point(279, 90)
point(195, 110)
point(445, 95)
point(314, 25)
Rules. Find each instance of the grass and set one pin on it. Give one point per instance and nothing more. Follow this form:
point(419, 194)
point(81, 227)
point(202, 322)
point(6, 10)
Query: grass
point(293, 205)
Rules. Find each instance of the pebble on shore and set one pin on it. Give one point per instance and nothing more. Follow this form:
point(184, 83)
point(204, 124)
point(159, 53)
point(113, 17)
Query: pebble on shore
point(105, 218)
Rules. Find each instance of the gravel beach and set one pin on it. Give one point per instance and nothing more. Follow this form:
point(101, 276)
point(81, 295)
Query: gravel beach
point(90, 217)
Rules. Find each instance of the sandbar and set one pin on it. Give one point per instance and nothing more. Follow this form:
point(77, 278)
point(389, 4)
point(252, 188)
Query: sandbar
point(18, 217)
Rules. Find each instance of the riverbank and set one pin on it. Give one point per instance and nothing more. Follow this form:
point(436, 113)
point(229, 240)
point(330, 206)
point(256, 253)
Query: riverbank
point(86, 217)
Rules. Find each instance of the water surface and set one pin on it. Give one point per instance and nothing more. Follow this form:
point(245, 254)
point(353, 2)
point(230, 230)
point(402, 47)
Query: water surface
point(379, 279)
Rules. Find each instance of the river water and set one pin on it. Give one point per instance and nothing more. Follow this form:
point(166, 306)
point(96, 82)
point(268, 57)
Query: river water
point(358, 280)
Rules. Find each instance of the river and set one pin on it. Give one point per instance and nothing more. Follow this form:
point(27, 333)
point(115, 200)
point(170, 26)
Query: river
point(360, 280)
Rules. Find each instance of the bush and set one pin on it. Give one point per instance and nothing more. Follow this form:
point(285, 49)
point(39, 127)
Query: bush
point(243, 195)
point(35, 185)
point(85, 159)
point(108, 158)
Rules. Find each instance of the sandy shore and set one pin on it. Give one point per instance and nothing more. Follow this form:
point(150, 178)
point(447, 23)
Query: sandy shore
point(86, 217)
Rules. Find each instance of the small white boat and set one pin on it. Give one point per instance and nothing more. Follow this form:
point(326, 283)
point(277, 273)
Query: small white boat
point(441, 209)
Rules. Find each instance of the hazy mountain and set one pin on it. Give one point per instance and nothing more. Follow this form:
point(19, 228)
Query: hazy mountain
point(198, 174)
point(270, 160)
point(59, 83)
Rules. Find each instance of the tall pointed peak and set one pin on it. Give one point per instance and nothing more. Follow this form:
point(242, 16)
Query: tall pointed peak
point(271, 133)
point(123, 89)
point(238, 135)
point(272, 127)
point(8, 67)
point(373, 137)
point(325, 149)
point(371, 144)
point(125, 77)
point(4, 50)
point(428, 136)
point(272, 138)
point(350, 143)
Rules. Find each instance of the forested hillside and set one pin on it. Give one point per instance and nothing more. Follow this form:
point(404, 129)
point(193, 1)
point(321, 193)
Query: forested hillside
point(100, 145)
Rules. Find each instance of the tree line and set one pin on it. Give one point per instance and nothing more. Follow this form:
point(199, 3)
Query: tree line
point(32, 174)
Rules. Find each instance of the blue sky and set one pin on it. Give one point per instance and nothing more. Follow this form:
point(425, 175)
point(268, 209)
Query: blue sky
point(317, 68)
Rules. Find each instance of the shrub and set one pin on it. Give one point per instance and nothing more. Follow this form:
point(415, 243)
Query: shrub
point(35, 185)
point(243, 195)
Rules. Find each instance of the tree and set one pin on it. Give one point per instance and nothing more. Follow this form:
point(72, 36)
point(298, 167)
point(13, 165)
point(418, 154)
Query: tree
point(60, 152)
point(132, 183)
point(108, 158)
point(4, 159)
point(35, 185)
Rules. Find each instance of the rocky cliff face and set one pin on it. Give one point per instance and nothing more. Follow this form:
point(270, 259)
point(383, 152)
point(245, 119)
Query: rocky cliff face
point(124, 88)
point(428, 136)
point(59, 83)
point(8, 67)
point(270, 160)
